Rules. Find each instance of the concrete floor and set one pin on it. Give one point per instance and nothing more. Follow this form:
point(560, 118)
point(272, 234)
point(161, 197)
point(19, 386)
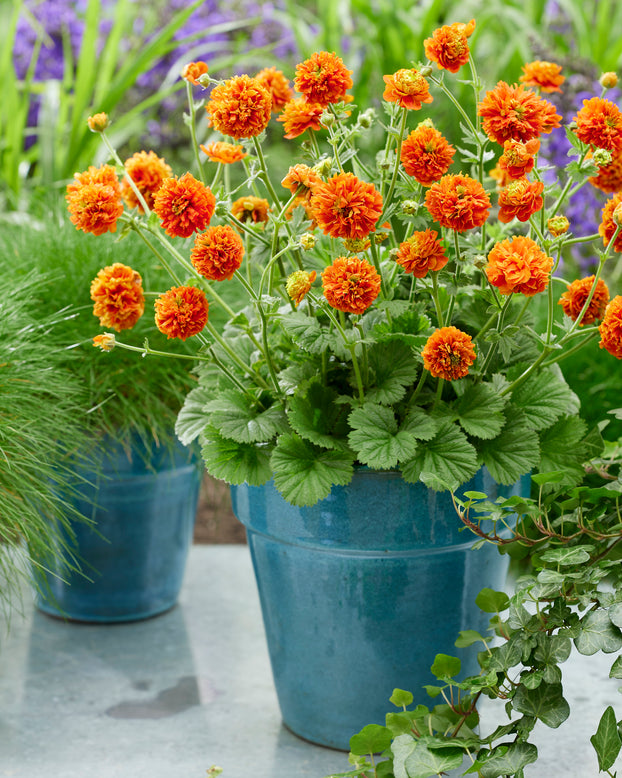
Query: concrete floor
point(171, 696)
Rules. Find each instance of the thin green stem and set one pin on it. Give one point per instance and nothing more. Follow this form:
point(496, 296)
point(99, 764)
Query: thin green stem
point(435, 297)
point(265, 177)
point(234, 357)
point(396, 166)
point(193, 131)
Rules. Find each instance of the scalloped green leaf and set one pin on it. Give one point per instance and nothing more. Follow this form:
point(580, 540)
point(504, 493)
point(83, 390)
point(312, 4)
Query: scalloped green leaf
point(445, 666)
point(513, 453)
point(505, 760)
point(307, 333)
point(598, 634)
point(376, 438)
point(546, 703)
point(423, 762)
point(562, 448)
point(448, 455)
point(192, 418)
point(305, 473)
point(394, 368)
point(372, 739)
point(576, 555)
point(542, 398)
point(316, 416)
point(237, 417)
point(420, 424)
point(479, 411)
point(235, 462)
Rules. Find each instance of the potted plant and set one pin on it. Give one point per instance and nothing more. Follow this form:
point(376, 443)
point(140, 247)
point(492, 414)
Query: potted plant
point(346, 415)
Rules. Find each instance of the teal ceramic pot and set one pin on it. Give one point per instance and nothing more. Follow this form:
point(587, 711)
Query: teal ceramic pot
point(133, 556)
point(360, 592)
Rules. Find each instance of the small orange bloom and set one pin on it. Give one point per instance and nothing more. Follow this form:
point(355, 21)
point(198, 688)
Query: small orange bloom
point(513, 112)
point(448, 354)
point(184, 205)
point(104, 175)
point(323, 78)
point(250, 209)
point(611, 328)
point(345, 207)
point(518, 265)
point(181, 312)
point(500, 175)
point(240, 107)
point(521, 199)
point(147, 171)
point(105, 342)
point(426, 154)
point(546, 76)
point(609, 225)
point(458, 202)
point(117, 292)
point(421, 253)
point(298, 284)
point(301, 179)
point(407, 88)
point(609, 178)
point(94, 200)
point(217, 253)
point(192, 72)
point(226, 153)
point(350, 284)
point(573, 299)
point(599, 123)
point(518, 158)
point(299, 115)
point(278, 86)
point(448, 46)
point(557, 225)
point(98, 122)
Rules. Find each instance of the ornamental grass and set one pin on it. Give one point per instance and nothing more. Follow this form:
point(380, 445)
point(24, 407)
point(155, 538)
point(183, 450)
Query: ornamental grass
point(389, 306)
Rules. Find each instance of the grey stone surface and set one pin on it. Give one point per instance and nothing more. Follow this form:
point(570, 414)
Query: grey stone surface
point(171, 696)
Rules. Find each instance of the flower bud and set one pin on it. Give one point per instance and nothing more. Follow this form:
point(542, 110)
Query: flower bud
point(617, 215)
point(410, 207)
point(298, 284)
point(307, 241)
point(367, 118)
point(426, 71)
point(323, 167)
point(354, 245)
point(98, 122)
point(480, 261)
point(557, 225)
point(327, 119)
point(105, 342)
point(602, 157)
point(608, 80)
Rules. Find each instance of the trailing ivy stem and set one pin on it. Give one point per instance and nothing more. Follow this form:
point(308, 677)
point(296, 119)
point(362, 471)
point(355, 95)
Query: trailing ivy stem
point(224, 345)
point(193, 132)
point(396, 166)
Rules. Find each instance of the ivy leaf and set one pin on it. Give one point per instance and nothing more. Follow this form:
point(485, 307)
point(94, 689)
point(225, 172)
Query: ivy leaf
point(492, 602)
point(394, 369)
point(376, 439)
point(567, 556)
point(423, 762)
point(401, 698)
point(192, 418)
point(615, 614)
point(244, 421)
point(235, 462)
point(420, 424)
point(305, 473)
point(445, 666)
point(315, 416)
point(561, 448)
point(307, 333)
point(607, 742)
point(545, 703)
point(467, 637)
point(542, 398)
point(598, 634)
point(480, 411)
point(401, 748)
point(616, 668)
point(553, 649)
point(505, 760)
point(372, 739)
point(513, 453)
point(448, 455)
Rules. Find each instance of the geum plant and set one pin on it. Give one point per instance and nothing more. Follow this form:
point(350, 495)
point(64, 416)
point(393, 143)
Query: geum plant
point(387, 316)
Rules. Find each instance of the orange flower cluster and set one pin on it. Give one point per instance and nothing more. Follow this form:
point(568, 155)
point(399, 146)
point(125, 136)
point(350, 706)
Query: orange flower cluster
point(518, 158)
point(448, 353)
point(448, 46)
point(518, 265)
point(301, 179)
point(217, 253)
point(323, 78)
point(599, 123)
point(250, 209)
point(277, 85)
point(117, 292)
point(184, 205)
point(609, 177)
point(520, 199)
point(575, 297)
point(350, 284)
point(609, 225)
point(300, 115)
point(513, 112)
point(421, 253)
point(544, 75)
point(193, 71)
point(181, 312)
point(240, 107)
point(298, 284)
point(94, 200)
point(346, 207)
point(225, 153)
point(407, 88)
point(147, 171)
point(611, 328)
point(426, 155)
point(458, 202)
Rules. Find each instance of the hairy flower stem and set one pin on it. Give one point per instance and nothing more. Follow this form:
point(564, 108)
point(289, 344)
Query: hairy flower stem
point(440, 83)
point(147, 350)
point(450, 307)
point(568, 185)
point(435, 298)
point(493, 347)
point(234, 357)
point(246, 230)
point(265, 176)
point(117, 159)
point(193, 131)
point(396, 166)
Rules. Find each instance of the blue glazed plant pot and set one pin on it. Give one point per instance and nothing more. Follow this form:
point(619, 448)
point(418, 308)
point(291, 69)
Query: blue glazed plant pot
point(360, 592)
point(133, 555)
